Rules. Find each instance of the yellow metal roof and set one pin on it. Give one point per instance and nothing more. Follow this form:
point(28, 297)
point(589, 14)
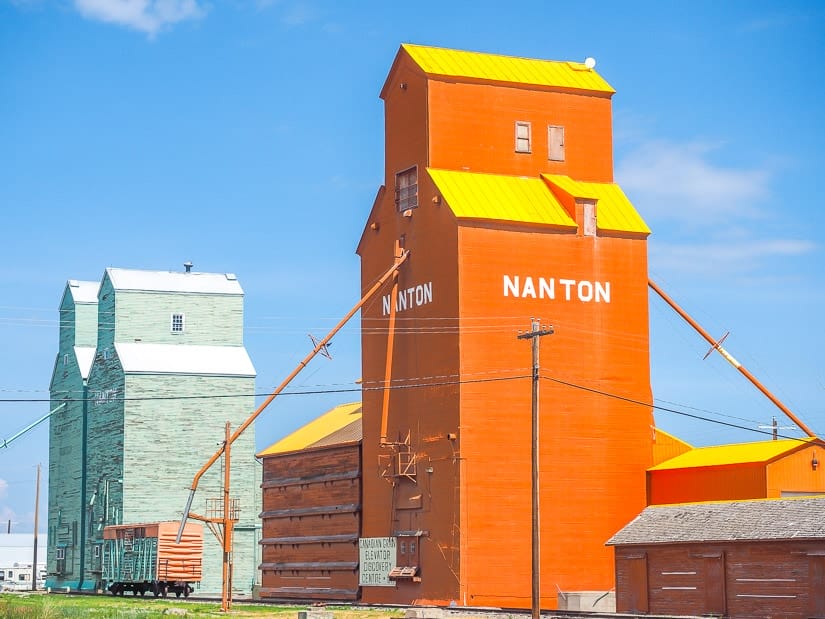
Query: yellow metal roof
point(471, 195)
point(456, 63)
point(613, 210)
point(317, 429)
point(739, 453)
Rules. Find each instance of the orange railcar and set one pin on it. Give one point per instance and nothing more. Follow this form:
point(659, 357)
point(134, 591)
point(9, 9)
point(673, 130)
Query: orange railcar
point(145, 558)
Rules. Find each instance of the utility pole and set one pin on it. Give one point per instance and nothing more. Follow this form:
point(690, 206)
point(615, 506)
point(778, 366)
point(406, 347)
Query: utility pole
point(536, 332)
point(36, 510)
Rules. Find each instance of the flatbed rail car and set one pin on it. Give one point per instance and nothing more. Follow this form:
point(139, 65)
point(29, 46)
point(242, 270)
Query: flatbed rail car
point(144, 558)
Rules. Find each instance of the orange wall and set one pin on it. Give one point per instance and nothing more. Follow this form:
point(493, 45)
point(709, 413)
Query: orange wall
point(472, 127)
point(713, 483)
point(594, 449)
point(794, 473)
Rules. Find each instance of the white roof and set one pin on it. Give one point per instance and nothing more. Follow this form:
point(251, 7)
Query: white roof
point(141, 358)
point(85, 356)
point(174, 281)
point(83, 292)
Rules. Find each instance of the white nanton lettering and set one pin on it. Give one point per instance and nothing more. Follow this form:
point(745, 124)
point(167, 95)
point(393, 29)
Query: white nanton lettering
point(529, 287)
point(408, 298)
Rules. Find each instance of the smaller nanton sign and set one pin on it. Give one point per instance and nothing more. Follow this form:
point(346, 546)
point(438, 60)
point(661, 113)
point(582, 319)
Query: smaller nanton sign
point(377, 556)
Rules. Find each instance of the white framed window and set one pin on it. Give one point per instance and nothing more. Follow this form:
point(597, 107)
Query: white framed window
point(555, 143)
point(106, 354)
point(406, 189)
point(60, 553)
point(178, 323)
point(66, 359)
point(97, 551)
point(523, 131)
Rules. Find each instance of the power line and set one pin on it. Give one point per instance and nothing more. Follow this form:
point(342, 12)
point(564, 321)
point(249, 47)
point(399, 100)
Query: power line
point(664, 409)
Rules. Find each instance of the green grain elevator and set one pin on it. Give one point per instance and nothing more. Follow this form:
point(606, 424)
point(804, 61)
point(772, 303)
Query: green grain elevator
point(168, 350)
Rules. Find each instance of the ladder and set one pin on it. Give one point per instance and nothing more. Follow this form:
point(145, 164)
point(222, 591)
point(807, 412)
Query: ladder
point(128, 554)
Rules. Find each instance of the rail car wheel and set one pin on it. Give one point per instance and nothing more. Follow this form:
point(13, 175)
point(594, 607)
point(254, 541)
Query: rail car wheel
point(186, 590)
point(177, 593)
point(164, 590)
point(155, 589)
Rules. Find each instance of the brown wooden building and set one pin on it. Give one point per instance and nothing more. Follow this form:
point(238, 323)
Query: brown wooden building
point(762, 558)
point(312, 509)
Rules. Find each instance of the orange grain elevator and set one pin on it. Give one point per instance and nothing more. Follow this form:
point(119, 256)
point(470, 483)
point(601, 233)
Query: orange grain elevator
point(499, 184)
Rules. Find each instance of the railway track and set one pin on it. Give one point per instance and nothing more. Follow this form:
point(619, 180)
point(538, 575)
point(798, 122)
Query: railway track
point(412, 612)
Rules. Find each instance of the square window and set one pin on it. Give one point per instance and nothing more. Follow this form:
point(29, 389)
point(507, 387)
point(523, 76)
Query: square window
point(60, 553)
point(406, 189)
point(522, 136)
point(178, 323)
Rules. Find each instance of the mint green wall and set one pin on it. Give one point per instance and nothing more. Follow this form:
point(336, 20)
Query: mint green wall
point(165, 444)
point(78, 327)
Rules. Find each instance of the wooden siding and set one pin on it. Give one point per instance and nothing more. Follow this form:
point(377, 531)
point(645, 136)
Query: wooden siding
point(78, 327)
point(144, 451)
point(471, 127)
point(166, 441)
point(471, 441)
point(311, 523)
point(741, 579)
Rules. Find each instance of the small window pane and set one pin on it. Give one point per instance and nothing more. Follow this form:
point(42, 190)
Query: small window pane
point(406, 189)
point(522, 137)
point(177, 323)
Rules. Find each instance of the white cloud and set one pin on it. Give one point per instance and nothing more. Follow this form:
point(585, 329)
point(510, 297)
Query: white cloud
point(4, 487)
point(738, 256)
point(147, 16)
point(677, 181)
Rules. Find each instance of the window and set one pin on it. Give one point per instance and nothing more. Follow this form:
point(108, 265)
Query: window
point(177, 323)
point(555, 143)
point(522, 137)
point(66, 359)
point(60, 553)
point(406, 189)
point(97, 551)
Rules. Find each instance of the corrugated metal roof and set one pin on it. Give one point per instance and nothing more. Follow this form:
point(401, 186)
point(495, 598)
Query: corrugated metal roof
point(85, 356)
point(471, 195)
point(758, 520)
point(510, 69)
point(739, 453)
point(317, 431)
point(174, 281)
point(82, 291)
point(613, 210)
point(145, 358)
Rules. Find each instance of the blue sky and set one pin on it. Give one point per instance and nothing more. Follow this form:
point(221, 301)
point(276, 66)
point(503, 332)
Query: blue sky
point(248, 137)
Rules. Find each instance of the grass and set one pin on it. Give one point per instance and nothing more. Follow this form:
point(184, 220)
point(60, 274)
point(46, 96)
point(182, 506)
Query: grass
point(61, 606)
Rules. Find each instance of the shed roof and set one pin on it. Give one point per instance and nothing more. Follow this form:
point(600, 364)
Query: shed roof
point(519, 199)
point(613, 210)
point(145, 358)
point(509, 69)
point(738, 453)
point(174, 281)
point(758, 520)
point(342, 424)
point(83, 291)
point(471, 195)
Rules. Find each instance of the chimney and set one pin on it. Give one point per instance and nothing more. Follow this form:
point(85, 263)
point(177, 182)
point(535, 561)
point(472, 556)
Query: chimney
point(188, 266)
